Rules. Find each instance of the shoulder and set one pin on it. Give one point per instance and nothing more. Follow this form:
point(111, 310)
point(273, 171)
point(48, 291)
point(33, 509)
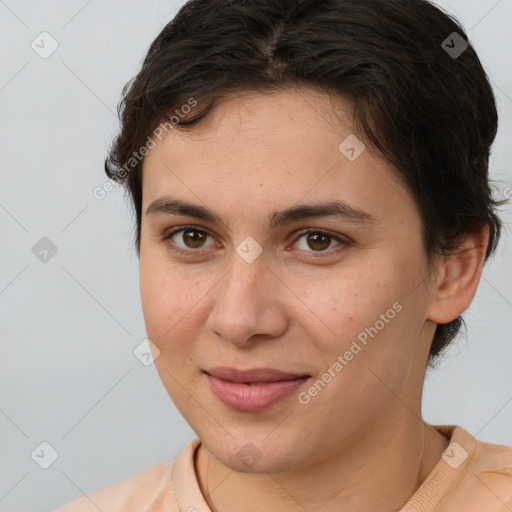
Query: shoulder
point(149, 490)
point(486, 479)
point(472, 476)
point(493, 467)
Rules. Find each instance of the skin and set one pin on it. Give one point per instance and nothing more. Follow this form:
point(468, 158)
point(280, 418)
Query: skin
point(298, 309)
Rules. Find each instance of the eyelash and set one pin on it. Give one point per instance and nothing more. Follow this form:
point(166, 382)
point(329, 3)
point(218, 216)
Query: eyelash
point(343, 242)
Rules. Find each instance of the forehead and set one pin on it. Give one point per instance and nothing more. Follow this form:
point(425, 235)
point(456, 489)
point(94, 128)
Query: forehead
point(293, 111)
point(285, 146)
point(253, 121)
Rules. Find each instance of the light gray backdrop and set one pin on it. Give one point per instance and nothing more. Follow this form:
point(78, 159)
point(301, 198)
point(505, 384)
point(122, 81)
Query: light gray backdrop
point(69, 321)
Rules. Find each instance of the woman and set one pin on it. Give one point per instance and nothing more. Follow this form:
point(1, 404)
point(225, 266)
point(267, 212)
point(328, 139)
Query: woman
point(310, 183)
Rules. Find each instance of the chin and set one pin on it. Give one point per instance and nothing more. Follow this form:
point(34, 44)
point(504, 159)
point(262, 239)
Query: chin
point(258, 453)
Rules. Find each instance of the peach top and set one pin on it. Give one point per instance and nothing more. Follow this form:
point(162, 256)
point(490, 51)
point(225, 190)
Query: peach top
point(471, 476)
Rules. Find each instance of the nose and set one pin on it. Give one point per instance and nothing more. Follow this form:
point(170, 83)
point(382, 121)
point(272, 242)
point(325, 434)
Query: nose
point(249, 304)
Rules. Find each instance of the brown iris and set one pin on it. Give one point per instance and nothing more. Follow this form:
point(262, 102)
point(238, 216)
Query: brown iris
point(196, 240)
point(318, 238)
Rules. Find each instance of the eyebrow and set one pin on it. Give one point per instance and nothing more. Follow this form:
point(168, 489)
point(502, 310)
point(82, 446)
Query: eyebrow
point(339, 209)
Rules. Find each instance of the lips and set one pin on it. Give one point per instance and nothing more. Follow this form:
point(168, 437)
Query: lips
point(252, 390)
point(254, 375)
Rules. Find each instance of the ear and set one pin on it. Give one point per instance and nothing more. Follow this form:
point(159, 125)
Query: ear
point(458, 280)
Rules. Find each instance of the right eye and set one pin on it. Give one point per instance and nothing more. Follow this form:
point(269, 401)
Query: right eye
point(191, 237)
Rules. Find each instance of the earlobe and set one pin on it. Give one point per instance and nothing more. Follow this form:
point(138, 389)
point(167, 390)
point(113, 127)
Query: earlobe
point(459, 278)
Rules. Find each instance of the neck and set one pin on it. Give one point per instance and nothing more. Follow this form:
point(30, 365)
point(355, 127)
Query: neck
point(384, 465)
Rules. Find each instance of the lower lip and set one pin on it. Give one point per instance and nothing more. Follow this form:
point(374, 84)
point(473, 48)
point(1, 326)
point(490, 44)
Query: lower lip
point(253, 397)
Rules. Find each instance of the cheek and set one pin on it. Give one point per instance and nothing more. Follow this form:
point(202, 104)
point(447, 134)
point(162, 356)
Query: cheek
point(346, 305)
point(167, 301)
point(173, 301)
point(366, 320)
point(163, 299)
point(377, 326)
point(369, 330)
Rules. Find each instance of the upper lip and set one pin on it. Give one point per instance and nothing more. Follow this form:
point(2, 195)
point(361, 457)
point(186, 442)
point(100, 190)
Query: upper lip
point(253, 375)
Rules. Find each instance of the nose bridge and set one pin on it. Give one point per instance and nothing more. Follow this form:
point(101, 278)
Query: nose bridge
point(243, 284)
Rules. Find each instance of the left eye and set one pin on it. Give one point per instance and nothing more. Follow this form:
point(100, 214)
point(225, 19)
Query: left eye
point(318, 240)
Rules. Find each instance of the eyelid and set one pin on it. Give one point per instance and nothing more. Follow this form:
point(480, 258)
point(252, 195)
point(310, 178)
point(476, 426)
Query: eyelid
point(338, 236)
point(342, 239)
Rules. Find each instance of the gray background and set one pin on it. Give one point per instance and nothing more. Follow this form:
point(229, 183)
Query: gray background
point(68, 327)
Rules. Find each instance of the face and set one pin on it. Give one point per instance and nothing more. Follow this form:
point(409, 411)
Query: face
point(343, 305)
